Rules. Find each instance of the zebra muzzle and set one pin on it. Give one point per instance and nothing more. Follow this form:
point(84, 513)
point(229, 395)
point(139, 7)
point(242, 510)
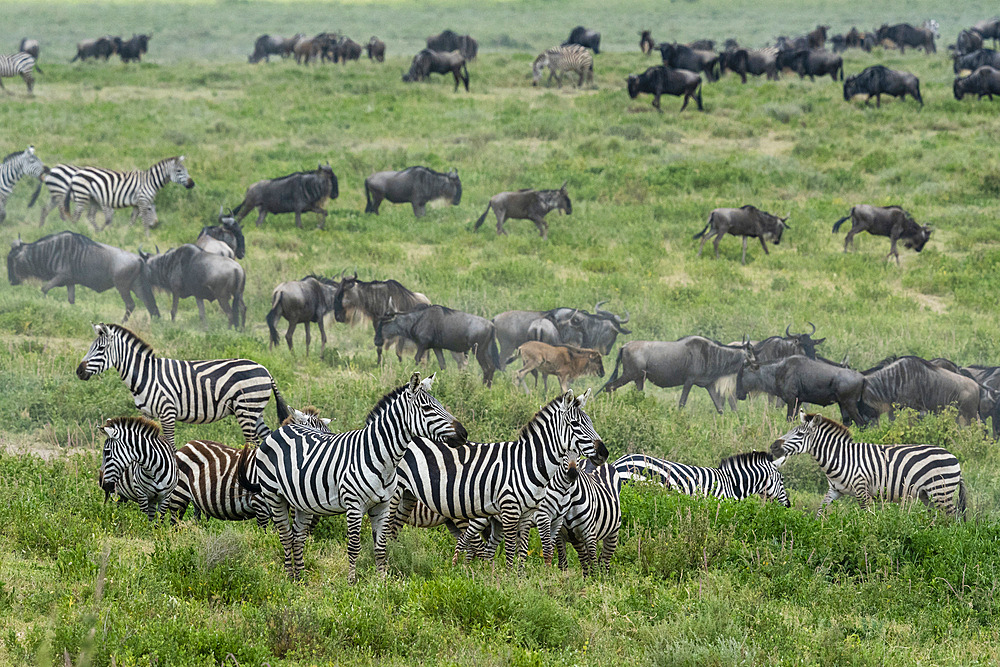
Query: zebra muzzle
point(82, 372)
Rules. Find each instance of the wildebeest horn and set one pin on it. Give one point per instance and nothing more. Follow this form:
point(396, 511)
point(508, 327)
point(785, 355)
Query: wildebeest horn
point(597, 308)
point(813, 328)
point(565, 183)
point(787, 334)
point(627, 318)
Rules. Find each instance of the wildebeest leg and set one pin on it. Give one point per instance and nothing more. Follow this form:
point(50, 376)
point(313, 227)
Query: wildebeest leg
point(763, 245)
point(308, 338)
point(440, 357)
point(129, 302)
point(501, 213)
point(684, 392)
point(289, 333)
point(322, 215)
point(703, 239)
point(878, 101)
point(173, 308)
point(720, 405)
point(201, 310)
point(687, 97)
point(743, 260)
point(543, 228)
point(418, 208)
point(792, 409)
point(298, 219)
point(849, 239)
point(656, 102)
point(521, 374)
point(715, 242)
point(322, 337)
point(420, 353)
point(57, 281)
point(263, 214)
point(892, 245)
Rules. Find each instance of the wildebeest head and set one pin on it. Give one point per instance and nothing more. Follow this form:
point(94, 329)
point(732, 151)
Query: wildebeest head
point(805, 340)
point(774, 227)
point(851, 87)
point(227, 220)
point(633, 85)
point(453, 187)
point(599, 331)
point(327, 171)
point(565, 205)
point(346, 299)
point(594, 365)
point(14, 260)
point(919, 238)
point(179, 173)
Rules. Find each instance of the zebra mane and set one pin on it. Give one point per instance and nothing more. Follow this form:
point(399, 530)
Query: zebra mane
point(383, 403)
point(753, 458)
point(308, 411)
point(12, 155)
point(143, 345)
point(543, 412)
point(829, 424)
point(143, 425)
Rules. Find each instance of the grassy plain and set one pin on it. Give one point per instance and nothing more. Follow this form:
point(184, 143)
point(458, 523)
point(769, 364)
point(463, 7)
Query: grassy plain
point(695, 582)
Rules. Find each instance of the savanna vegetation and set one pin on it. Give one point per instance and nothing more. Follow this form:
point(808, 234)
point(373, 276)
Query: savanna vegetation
point(694, 581)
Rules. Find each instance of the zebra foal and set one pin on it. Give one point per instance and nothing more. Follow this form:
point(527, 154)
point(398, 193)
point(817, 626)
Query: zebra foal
point(14, 167)
point(136, 450)
point(561, 59)
point(17, 64)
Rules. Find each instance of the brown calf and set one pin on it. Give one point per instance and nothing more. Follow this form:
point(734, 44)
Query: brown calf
point(564, 361)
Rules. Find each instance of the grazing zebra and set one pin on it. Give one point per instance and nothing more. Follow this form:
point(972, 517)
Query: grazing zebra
point(303, 470)
point(509, 479)
point(14, 167)
point(208, 482)
point(195, 392)
point(867, 471)
point(57, 179)
point(17, 64)
point(562, 59)
point(594, 515)
point(105, 189)
point(138, 443)
point(737, 477)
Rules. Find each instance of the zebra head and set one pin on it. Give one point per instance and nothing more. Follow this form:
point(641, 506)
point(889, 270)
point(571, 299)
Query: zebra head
point(179, 173)
point(798, 440)
point(124, 435)
point(426, 417)
point(100, 357)
point(31, 165)
point(582, 435)
point(309, 417)
point(755, 473)
point(541, 62)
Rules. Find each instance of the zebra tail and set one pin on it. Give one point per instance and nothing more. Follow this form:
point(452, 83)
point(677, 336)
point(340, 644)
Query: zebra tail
point(614, 374)
point(479, 222)
point(34, 197)
point(241, 470)
point(279, 402)
point(837, 224)
point(64, 209)
point(271, 318)
point(961, 498)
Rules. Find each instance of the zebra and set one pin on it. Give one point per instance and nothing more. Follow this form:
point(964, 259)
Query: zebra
point(354, 473)
point(57, 179)
point(14, 167)
point(509, 479)
point(867, 471)
point(17, 64)
point(96, 187)
point(737, 477)
point(138, 443)
point(594, 515)
point(562, 59)
point(196, 392)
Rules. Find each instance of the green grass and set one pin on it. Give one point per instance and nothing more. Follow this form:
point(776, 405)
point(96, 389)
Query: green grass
point(694, 582)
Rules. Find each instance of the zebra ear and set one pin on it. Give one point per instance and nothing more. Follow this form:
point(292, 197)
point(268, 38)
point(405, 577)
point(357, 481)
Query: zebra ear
point(428, 381)
point(414, 381)
point(100, 329)
point(802, 415)
point(326, 421)
point(780, 461)
point(31, 150)
point(109, 430)
point(582, 399)
point(568, 400)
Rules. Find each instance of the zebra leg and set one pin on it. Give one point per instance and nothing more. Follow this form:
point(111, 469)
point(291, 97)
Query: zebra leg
point(544, 523)
point(135, 214)
point(109, 214)
point(608, 547)
point(29, 80)
point(831, 495)
point(302, 526)
point(379, 516)
point(354, 516)
point(278, 507)
point(561, 551)
point(400, 507)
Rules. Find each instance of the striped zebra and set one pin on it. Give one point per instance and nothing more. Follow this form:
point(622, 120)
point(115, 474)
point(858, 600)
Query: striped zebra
point(562, 59)
point(867, 471)
point(95, 188)
point(737, 477)
point(13, 168)
point(137, 445)
point(195, 392)
point(303, 471)
point(505, 479)
point(17, 64)
point(57, 179)
point(594, 515)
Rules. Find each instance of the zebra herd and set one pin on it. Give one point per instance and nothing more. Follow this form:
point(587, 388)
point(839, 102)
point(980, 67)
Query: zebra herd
point(412, 463)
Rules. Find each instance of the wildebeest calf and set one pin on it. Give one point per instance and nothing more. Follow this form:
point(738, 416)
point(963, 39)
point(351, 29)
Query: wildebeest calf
point(891, 221)
point(748, 221)
point(527, 204)
point(665, 81)
point(565, 362)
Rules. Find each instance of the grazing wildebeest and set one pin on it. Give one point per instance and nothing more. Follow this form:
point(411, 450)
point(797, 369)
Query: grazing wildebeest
point(692, 361)
point(976, 59)
point(348, 49)
point(565, 362)
point(527, 204)
point(307, 300)
point(376, 49)
point(680, 56)
point(817, 38)
point(295, 193)
point(891, 221)
point(452, 41)
point(71, 259)
point(439, 328)
point(429, 62)
point(307, 49)
point(584, 37)
point(817, 62)
point(133, 49)
point(912, 382)
point(985, 81)
point(267, 46)
point(190, 271)
point(225, 238)
point(416, 185)
point(989, 29)
point(968, 41)
point(748, 221)
point(662, 80)
point(646, 43)
point(102, 47)
point(879, 80)
point(904, 35)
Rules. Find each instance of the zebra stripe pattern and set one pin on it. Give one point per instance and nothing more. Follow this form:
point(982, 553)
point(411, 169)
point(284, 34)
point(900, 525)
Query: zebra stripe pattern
point(562, 59)
point(17, 64)
point(136, 444)
point(13, 168)
point(505, 479)
point(594, 515)
point(208, 481)
point(195, 392)
point(57, 179)
point(303, 470)
point(737, 477)
point(867, 471)
point(105, 189)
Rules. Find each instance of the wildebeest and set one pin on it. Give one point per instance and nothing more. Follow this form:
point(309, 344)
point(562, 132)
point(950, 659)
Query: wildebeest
point(449, 40)
point(976, 59)
point(307, 49)
point(102, 47)
point(879, 80)
point(819, 62)
point(854, 39)
point(307, 300)
point(773, 348)
point(225, 238)
point(527, 204)
point(817, 38)
point(989, 29)
point(71, 259)
point(646, 43)
point(985, 81)
point(584, 37)
point(267, 46)
point(904, 35)
point(565, 362)
point(429, 62)
point(912, 382)
point(295, 193)
point(416, 185)
point(747, 221)
point(968, 41)
point(891, 221)
point(134, 49)
point(439, 328)
point(735, 60)
point(188, 271)
point(692, 361)
point(348, 49)
point(680, 56)
point(750, 61)
point(376, 49)
point(662, 80)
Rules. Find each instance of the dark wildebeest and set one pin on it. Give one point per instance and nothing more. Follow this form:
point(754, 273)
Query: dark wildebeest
point(817, 62)
point(584, 37)
point(376, 49)
point(988, 29)
point(662, 80)
point(225, 238)
point(190, 271)
point(680, 56)
point(976, 59)
point(912, 382)
point(968, 41)
point(295, 193)
point(71, 259)
point(307, 49)
point(449, 40)
point(702, 45)
point(798, 379)
point(817, 38)
point(748, 221)
point(527, 204)
point(134, 49)
point(288, 45)
point(267, 46)
point(302, 301)
point(646, 43)
point(439, 328)
point(429, 62)
point(692, 361)
point(736, 60)
point(750, 61)
point(416, 185)
point(891, 221)
point(789, 58)
point(904, 35)
point(348, 49)
point(102, 47)
point(565, 362)
point(985, 81)
point(879, 80)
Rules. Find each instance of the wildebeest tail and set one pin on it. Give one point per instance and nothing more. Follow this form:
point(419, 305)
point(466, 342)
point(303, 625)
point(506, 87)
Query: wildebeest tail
point(479, 222)
point(272, 317)
point(368, 199)
point(698, 99)
point(707, 225)
point(837, 224)
point(494, 350)
point(512, 358)
point(239, 206)
point(618, 365)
